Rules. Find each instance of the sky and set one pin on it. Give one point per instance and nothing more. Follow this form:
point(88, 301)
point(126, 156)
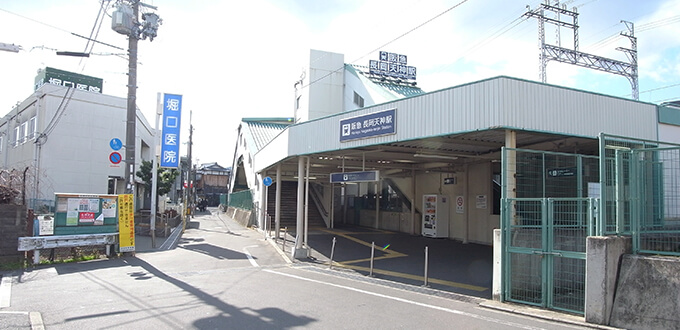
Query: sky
point(236, 59)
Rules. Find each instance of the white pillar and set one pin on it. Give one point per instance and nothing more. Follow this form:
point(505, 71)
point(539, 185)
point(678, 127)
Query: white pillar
point(298, 250)
point(277, 217)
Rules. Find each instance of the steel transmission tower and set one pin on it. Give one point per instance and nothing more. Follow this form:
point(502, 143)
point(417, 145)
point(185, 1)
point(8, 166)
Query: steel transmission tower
point(574, 56)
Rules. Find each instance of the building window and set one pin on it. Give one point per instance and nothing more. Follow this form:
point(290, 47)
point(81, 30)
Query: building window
point(358, 100)
point(23, 130)
point(16, 136)
point(31, 128)
point(1, 141)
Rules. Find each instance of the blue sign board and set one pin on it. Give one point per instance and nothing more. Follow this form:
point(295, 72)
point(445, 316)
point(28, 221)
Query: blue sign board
point(365, 176)
point(172, 115)
point(116, 144)
point(371, 125)
point(267, 181)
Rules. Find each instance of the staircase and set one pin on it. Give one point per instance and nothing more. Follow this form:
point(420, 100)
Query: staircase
point(289, 206)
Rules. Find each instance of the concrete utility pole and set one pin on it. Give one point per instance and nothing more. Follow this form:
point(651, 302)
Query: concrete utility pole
point(125, 20)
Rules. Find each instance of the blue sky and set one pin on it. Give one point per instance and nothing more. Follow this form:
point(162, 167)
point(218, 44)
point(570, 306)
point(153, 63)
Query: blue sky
point(234, 59)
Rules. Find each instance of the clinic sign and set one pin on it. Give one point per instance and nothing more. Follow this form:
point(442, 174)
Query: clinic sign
point(370, 125)
point(392, 65)
point(68, 79)
point(172, 115)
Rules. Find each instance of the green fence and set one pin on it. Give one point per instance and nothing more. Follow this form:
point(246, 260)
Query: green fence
point(242, 199)
point(549, 207)
point(641, 195)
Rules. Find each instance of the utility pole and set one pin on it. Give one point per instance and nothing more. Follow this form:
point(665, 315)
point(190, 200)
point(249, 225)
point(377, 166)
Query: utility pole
point(190, 177)
point(125, 20)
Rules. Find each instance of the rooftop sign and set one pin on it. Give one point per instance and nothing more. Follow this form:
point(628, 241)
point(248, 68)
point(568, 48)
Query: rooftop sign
point(392, 65)
point(68, 79)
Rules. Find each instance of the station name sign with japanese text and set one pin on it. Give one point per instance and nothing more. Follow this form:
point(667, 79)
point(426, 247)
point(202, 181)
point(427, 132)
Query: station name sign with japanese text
point(172, 115)
point(392, 65)
point(364, 176)
point(371, 125)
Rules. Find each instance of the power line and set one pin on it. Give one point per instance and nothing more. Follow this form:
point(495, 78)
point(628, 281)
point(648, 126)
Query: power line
point(62, 30)
point(391, 41)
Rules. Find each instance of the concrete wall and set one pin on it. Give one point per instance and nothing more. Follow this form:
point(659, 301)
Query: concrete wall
point(648, 293)
point(602, 265)
point(12, 226)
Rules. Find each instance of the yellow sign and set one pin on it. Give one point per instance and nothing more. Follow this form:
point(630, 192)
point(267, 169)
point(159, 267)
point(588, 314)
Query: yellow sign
point(126, 222)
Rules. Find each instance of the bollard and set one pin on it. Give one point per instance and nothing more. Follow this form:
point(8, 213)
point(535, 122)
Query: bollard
point(426, 258)
point(370, 273)
point(330, 264)
point(285, 230)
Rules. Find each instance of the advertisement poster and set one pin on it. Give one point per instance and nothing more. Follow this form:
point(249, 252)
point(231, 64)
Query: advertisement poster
point(72, 218)
point(126, 222)
point(109, 207)
point(86, 217)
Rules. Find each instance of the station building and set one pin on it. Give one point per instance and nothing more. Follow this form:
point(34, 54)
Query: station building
point(483, 162)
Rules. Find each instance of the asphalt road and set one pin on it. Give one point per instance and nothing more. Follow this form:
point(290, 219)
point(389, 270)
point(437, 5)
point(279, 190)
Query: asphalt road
point(220, 275)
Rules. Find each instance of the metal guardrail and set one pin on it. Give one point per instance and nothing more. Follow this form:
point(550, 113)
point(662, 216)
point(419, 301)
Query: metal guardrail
point(50, 242)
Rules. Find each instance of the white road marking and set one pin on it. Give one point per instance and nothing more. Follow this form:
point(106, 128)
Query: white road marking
point(444, 309)
point(6, 291)
point(250, 256)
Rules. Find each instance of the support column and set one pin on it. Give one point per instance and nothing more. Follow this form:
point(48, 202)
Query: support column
point(277, 217)
point(377, 204)
point(413, 202)
point(298, 250)
point(510, 166)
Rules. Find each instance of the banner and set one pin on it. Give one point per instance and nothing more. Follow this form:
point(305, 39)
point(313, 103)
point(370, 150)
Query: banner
point(172, 116)
point(126, 222)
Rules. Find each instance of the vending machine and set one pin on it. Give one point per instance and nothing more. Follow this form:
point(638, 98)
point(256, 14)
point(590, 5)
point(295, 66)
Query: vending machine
point(435, 216)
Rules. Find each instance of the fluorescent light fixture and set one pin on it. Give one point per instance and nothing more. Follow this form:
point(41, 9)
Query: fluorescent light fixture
point(434, 156)
point(309, 177)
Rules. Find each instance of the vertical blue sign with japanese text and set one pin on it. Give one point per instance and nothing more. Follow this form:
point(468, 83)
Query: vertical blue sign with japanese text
point(172, 115)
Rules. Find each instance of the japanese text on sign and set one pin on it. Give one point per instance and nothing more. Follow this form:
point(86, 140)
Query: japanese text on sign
point(172, 115)
point(379, 123)
point(126, 222)
point(392, 65)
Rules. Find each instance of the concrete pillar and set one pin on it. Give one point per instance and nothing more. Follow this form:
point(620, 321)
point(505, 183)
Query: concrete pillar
point(497, 271)
point(277, 217)
point(298, 250)
point(603, 254)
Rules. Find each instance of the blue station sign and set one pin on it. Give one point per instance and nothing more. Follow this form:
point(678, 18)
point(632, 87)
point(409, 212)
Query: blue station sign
point(172, 115)
point(370, 125)
point(364, 176)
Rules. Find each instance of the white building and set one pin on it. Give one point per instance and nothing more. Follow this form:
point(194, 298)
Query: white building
point(61, 137)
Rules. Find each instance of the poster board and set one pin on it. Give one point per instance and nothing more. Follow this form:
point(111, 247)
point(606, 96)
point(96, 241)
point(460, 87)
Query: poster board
point(77, 214)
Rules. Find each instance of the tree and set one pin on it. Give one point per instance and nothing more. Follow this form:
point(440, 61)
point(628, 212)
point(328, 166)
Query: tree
point(166, 178)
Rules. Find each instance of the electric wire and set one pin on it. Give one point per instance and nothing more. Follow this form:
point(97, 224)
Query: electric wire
point(390, 42)
point(60, 29)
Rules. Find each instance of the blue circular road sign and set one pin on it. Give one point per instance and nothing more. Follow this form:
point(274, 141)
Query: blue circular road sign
point(115, 157)
point(116, 144)
point(267, 181)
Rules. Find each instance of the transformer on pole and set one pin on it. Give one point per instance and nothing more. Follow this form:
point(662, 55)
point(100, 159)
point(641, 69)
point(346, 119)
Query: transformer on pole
point(574, 56)
point(124, 20)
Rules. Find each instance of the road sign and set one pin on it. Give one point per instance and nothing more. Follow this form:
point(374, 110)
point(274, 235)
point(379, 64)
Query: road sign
point(115, 157)
point(267, 181)
point(116, 144)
